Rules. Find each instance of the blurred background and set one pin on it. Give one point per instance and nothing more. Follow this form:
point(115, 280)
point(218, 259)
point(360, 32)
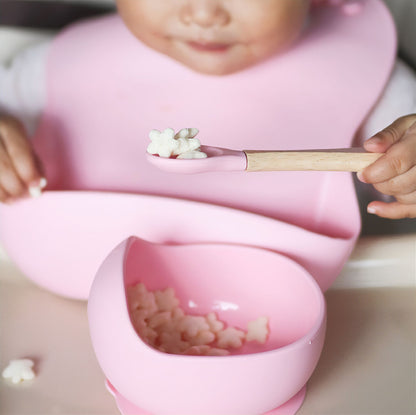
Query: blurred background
point(25, 22)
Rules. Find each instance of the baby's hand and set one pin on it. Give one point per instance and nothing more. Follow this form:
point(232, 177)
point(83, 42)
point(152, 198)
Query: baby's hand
point(395, 172)
point(20, 169)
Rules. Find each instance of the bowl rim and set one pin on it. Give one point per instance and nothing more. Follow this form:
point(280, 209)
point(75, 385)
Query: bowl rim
point(307, 338)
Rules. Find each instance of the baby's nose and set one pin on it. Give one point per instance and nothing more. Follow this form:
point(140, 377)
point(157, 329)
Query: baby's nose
point(205, 13)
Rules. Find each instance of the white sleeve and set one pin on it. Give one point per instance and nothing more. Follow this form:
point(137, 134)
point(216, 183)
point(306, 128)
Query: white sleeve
point(23, 85)
point(398, 99)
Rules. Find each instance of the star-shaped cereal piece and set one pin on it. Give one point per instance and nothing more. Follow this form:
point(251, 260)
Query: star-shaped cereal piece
point(202, 337)
point(159, 319)
point(187, 133)
point(134, 295)
point(139, 297)
point(257, 330)
point(177, 315)
point(191, 325)
point(166, 299)
point(19, 370)
point(188, 145)
point(192, 154)
point(171, 342)
point(143, 307)
point(139, 317)
point(148, 335)
point(198, 350)
point(214, 351)
point(162, 143)
point(230, 337)
point(215, 325)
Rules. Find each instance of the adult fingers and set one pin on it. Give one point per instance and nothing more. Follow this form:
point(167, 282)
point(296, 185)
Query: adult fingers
point(393, 210)
point(400, 153)
point(399, 185)
point(384, 139)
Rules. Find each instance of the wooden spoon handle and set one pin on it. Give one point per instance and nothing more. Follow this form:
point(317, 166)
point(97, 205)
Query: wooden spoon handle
point(319, 160)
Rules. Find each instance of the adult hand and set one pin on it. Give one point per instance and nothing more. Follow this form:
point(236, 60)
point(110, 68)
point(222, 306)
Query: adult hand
point(394, 173)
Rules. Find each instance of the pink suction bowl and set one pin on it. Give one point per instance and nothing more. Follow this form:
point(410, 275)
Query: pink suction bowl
point(239, 283)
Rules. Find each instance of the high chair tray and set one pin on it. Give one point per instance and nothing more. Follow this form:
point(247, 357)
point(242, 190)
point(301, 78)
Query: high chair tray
point(368, 360)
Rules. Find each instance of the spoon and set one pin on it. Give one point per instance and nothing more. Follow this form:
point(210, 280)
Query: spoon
point(223, 159)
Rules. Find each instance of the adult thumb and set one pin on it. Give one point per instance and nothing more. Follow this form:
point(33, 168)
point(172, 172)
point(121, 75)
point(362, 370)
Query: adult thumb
point(385, 138)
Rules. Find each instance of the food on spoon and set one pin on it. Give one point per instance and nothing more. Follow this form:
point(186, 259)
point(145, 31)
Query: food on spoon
point(182, 145)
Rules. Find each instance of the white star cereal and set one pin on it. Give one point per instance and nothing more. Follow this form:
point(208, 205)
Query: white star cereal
point(159, 319)
point(202, 337)
point(191, 325)
point(215, 351)
point(164, 325)
point(198, 350)
point(162, 143)
point(19, 370)
point(166, 300)
point(192, 154)
point(177, 314)
point(182, 144)
point(173, 343)
point(139, 297)
point(186, 142)
point(230, 337)
point(257, 330)
point(36, 191)
point(139, 317)
point(214, 324)
point(150, 335)
point(187, 133)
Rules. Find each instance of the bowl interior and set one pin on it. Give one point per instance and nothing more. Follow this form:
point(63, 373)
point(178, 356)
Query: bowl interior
point(238, 283)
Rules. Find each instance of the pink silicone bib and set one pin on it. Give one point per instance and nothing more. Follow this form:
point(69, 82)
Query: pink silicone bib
point(105, 94)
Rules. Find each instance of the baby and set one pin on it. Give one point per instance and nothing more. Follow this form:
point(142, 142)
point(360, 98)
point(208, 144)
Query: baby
point(218, 39)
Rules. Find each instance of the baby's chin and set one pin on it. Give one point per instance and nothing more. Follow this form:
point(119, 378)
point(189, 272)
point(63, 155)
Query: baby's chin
point(215, 67)
point(236, 59)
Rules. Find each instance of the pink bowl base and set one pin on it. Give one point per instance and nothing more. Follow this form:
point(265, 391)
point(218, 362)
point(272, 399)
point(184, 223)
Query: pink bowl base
point(127, 408)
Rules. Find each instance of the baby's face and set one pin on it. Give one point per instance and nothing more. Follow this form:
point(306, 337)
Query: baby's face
point(215, 37)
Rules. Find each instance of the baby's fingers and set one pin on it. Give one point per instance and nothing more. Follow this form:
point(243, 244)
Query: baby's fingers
point(25, 163)
point(10, 184)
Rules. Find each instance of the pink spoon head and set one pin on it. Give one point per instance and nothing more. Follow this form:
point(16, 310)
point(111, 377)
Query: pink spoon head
point(218, 159)
point(239, 284)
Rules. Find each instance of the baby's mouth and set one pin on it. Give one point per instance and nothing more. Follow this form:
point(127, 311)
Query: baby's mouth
point(209, 46)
